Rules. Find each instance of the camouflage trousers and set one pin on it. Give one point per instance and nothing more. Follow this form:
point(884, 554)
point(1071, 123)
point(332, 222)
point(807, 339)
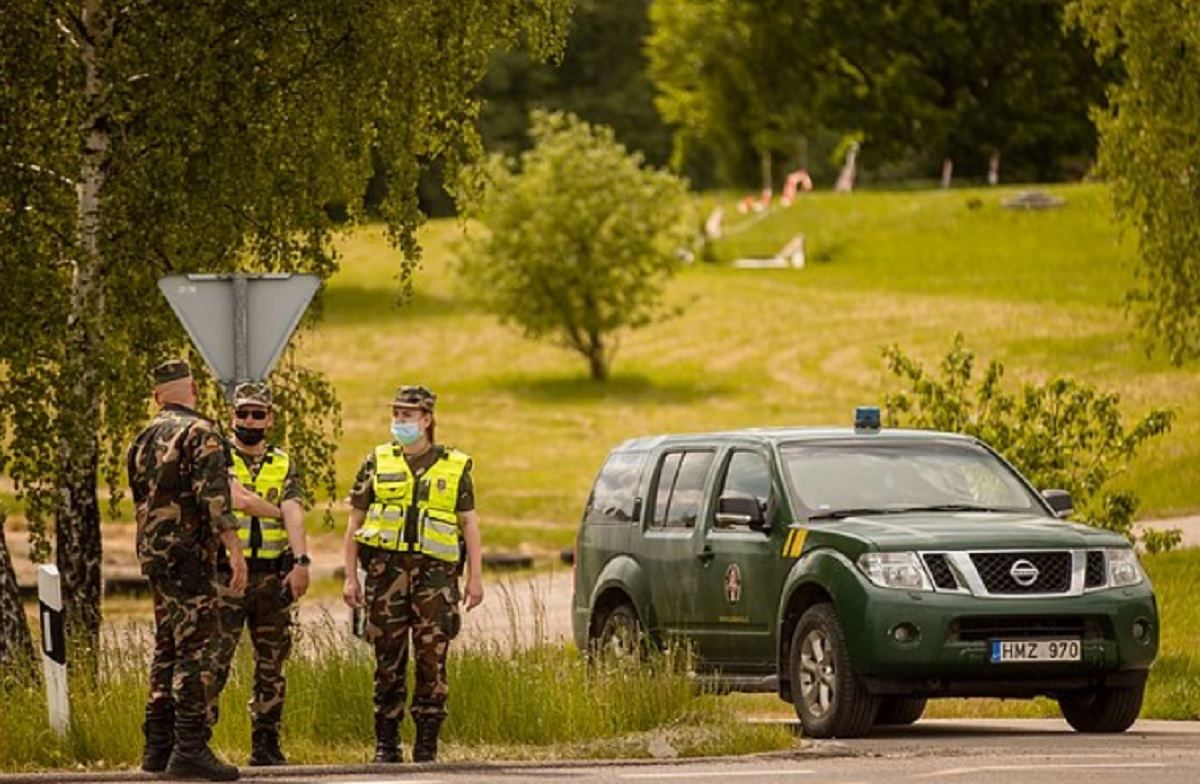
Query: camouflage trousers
point(185, 624)
point(265, 609)
point(412, 594)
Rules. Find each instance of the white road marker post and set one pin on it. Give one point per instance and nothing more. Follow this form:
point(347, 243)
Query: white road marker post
point(54, 648)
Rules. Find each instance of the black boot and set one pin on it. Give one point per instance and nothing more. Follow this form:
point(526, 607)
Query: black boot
point(192, 758)
point(264, 745)
point(159, 729)
point(387, 747)
point(425, 746)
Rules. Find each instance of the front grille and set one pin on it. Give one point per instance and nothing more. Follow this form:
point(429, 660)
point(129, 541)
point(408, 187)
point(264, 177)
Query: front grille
point(1095, 570)
point(943, 575)
point(995, 569)
point(1016, 627)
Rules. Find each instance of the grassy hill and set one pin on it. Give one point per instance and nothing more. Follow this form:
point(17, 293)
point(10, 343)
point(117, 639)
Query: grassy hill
point(1041, 291)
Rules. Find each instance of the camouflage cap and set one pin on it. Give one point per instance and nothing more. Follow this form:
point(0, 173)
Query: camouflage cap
point(414, 397)
point(171, 370)
point(252, 393)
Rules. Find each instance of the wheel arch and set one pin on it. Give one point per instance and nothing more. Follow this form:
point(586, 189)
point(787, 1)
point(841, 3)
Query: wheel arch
point(621, 581)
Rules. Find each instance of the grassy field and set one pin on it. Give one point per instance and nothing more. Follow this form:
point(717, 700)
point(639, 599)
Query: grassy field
point(1041, 291)
point(538, 703)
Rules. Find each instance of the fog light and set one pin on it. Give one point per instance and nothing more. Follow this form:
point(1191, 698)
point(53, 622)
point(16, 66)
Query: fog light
point(1141, 629)
point(905, 632)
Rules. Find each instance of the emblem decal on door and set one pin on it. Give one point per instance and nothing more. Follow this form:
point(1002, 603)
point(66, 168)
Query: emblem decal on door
point(733, 583)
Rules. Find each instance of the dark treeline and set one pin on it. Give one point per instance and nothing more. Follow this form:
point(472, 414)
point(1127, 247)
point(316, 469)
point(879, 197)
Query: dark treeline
point(729, 90)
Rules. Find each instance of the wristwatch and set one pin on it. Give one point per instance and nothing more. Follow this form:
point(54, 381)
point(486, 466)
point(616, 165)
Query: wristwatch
point(303, 560)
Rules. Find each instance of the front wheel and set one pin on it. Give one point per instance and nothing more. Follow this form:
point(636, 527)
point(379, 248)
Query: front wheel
point(900, 711)
point(1105, 709)
point(831, 700)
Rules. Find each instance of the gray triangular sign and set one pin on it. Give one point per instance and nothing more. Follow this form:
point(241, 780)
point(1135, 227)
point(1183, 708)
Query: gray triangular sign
point(240, 323)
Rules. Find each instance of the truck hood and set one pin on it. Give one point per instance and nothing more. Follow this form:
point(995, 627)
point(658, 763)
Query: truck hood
point(967, 531)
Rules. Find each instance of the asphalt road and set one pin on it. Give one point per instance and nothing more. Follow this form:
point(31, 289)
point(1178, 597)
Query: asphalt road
point(950, 751)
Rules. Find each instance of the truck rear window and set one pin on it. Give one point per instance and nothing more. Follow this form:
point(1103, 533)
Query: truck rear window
point(612, 498)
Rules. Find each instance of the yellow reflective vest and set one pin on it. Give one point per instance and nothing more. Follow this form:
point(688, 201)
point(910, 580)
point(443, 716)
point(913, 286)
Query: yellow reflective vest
point(396, 492)
point(272, 474)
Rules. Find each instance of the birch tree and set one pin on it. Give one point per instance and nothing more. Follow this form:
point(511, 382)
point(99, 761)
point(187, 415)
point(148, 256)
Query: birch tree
point(140, 139)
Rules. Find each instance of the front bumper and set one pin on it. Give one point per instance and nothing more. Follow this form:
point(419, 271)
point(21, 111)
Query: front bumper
point(950, 654)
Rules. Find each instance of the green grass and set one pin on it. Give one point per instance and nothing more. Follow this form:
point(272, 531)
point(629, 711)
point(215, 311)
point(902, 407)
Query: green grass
point(1040, 291)
point(537, 703)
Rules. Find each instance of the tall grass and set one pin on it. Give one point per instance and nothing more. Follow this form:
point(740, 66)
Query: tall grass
point(544, 700)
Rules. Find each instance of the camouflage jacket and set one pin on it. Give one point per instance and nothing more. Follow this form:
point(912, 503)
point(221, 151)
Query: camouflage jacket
point(179, 476)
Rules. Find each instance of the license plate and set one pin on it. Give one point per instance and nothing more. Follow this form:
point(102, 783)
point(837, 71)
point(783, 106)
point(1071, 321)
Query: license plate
point(1036, 650)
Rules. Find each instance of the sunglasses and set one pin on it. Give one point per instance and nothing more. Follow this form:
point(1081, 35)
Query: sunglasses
point(257, 414)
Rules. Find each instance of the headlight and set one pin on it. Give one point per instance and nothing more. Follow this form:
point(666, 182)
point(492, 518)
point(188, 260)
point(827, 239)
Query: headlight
point(1123, 568)
point(895, 570)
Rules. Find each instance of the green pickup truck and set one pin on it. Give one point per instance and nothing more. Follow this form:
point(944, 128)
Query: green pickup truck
point(859, 572)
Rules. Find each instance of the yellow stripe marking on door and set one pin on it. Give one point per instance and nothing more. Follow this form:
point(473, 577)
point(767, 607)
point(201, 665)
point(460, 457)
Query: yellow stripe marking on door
point(797, 542)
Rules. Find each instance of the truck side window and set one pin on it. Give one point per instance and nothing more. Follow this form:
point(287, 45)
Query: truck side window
point(612, 498)
point(680, 491)
point(747, 473)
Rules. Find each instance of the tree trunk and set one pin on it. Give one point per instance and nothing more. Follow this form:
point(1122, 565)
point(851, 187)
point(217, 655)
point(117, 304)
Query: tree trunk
point(765, 166)
point(597, 361)
point(16, 643)
point(77, 523)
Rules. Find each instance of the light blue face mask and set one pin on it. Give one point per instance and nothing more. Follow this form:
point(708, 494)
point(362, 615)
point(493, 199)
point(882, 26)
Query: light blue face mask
point(406, 432)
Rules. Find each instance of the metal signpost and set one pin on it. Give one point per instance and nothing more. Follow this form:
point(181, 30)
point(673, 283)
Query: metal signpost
point(54, 648)
point(240, 323)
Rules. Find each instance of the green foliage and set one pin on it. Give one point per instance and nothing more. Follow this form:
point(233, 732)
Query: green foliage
point(920, 80)
point(174, 137)
point(602, 79)
point(579, 241)
point(1061, 434)
point(1150, 149)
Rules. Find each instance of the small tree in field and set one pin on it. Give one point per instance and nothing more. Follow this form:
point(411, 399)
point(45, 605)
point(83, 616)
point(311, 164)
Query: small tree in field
point(1063, 434)
point(579, 239)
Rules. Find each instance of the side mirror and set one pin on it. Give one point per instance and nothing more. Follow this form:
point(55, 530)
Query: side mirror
point(740, 509)
point(1060, 502)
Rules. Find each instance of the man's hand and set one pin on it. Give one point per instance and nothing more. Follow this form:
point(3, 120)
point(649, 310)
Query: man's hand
point(474, 595)
point(297, 580)
point(237, 563)
point(352, 591)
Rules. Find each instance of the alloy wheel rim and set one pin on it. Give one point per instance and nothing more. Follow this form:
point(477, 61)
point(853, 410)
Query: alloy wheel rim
point(818, 675)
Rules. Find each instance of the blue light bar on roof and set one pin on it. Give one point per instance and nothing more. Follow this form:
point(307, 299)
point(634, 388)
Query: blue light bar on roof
point(867, 418)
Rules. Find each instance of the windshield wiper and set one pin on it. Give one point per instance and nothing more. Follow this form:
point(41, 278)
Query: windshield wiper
point(838, 514)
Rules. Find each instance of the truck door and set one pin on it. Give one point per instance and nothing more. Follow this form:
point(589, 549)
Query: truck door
point(677, 496)
point(735, 611)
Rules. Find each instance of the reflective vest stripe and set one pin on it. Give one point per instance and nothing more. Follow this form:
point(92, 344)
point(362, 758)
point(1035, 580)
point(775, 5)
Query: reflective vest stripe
point(394, 486)
point(272, 475)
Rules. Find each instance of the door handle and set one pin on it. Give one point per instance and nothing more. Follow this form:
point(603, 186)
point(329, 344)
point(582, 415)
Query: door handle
point(706, 555)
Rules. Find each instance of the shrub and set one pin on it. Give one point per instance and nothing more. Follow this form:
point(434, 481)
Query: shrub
point(1063, 434)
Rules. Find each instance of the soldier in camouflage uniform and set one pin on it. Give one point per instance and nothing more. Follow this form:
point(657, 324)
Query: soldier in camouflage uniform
point(276, 550)
point(413, 505)
point(179, 477)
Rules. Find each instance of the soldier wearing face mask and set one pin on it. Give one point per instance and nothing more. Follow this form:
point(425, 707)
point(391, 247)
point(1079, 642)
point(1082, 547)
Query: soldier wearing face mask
point(273, 539)
point(412, 504)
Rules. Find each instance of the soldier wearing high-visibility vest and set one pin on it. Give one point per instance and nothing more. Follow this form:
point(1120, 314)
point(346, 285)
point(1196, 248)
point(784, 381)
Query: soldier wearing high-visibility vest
point(274, 543)
point(412, 504)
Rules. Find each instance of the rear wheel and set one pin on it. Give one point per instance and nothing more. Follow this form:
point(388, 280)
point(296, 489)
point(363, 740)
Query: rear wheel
point(898, 711)
point(831, 700)
point(617, 635)
point(1106, 709)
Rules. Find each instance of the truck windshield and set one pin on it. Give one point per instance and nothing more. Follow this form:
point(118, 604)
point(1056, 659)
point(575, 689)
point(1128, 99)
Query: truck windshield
point(840, 479)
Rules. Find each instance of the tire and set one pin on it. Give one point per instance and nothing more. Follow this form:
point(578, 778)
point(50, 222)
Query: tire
point(900, 711)
point(830, 699)
point(1106, 709)
point(617, 635)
